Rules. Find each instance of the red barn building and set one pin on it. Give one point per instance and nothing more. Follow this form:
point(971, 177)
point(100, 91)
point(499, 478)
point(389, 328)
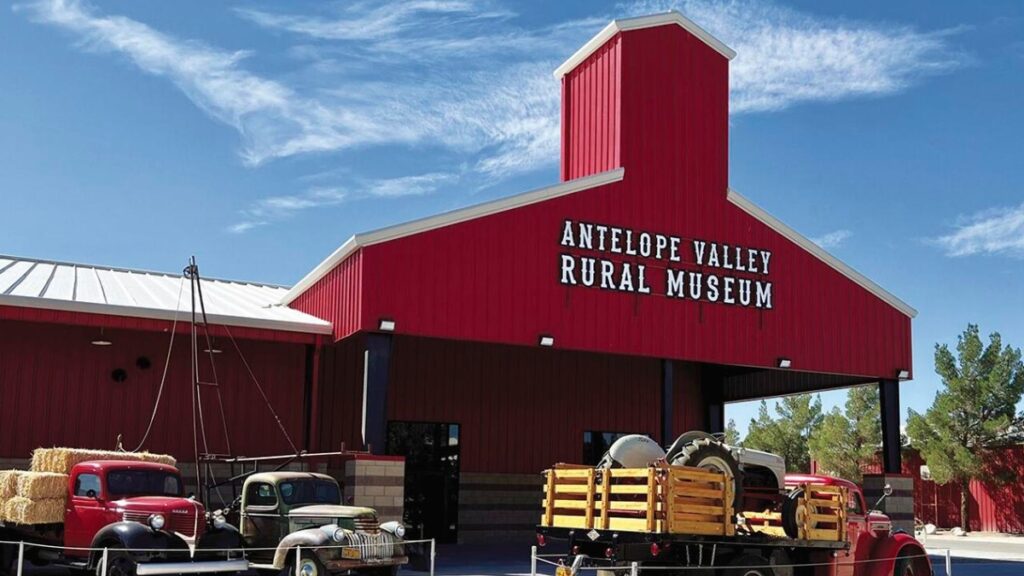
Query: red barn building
point(640, 294)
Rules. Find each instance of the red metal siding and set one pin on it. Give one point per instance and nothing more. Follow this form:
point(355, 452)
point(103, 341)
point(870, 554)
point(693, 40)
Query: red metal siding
point(105, 321)
point(591, 114)
point(337, 297)
point(522, 408)
point(56, 389)
point(341, 395)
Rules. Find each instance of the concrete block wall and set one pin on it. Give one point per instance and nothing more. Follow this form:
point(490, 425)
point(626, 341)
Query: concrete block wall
point(900, 505)
point(499, 507)
point(377, 482)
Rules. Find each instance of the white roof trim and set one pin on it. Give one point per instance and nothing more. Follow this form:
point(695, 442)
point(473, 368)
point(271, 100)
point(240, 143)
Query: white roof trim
point(446, 219)
point(160, 314)
point(626, 24)
point(800, 240)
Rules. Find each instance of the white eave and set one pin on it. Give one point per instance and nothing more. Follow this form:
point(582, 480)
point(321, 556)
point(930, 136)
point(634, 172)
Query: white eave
point(446, 219)
point(626, 24)
point(802, 241)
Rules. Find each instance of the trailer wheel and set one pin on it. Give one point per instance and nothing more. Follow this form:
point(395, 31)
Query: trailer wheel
point(118, 564)
point(749, 565)
point(710, 454)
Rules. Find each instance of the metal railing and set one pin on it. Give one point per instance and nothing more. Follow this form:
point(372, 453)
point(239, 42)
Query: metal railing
point(634, 568)
point(200, 567)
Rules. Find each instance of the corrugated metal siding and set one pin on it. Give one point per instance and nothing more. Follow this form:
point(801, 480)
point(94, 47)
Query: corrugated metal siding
point(521, 409)
point(341, 394)
point(56, 389)
point(337, 297)
point(591, 114)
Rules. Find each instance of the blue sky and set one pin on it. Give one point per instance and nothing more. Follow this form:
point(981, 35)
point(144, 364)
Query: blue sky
point(259, 136)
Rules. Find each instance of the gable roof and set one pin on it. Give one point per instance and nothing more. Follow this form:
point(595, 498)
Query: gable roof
point(626, 24)
point(572, 186)
point(51, 285)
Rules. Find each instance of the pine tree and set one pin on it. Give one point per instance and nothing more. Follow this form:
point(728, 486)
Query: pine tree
point(787, 436)
point(847, 440)
point(732, 435)
point(975, 411)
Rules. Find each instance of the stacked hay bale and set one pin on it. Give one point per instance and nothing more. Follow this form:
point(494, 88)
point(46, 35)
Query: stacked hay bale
point(39, 496)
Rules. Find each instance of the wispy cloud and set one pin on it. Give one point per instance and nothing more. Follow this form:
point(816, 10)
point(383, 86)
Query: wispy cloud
point(997, 231)
point(465, 77)
point(276, 208)
point(785, 57)
point(833, 239)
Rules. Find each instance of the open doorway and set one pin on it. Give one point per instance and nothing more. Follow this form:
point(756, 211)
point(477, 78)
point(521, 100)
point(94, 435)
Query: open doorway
point(431, 451)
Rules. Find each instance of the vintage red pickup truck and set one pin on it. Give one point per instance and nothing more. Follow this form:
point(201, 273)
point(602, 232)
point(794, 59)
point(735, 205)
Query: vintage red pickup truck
point(137, 510)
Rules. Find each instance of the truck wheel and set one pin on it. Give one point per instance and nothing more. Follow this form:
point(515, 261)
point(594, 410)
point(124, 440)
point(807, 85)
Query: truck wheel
point(710, 454)
point(309, 565)
point(118, 564)
point(749, 565)
point(904, 567)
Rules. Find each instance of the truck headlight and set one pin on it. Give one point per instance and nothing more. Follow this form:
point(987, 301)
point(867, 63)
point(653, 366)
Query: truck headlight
point(394, 527)
point(219, 521)
point(338, 535)
point(157, 521)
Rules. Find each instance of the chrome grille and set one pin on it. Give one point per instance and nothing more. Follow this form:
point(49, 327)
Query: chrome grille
point(366, 524)
point(181, 523)
point(381, 545)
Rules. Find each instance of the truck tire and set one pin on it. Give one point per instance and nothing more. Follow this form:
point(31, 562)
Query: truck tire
point(904, 567)
point(710, 454)
point(309, 565)
point(749, 565)
point(119, 563)
point(8, 556)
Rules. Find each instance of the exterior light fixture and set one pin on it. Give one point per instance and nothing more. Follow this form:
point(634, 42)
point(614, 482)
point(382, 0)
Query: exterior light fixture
point(387, 325)
point(546, 340)
point(903, 374)
point(785, 363)
point(101, 341)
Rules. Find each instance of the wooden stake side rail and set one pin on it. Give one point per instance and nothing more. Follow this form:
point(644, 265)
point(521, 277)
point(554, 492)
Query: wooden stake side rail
point(676, 500)
point(657, 499)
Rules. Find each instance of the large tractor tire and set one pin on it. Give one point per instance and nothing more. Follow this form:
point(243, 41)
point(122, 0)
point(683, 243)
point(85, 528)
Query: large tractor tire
point(684, 440)
point(793, 514)
point(710, 454)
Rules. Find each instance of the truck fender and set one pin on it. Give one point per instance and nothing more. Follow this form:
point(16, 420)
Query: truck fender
point(226, 538)
point(898, 544)
point(135, 536)
point(305, 538)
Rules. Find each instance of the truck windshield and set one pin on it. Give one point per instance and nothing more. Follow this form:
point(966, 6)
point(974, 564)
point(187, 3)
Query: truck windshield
point(310, 492)
point(121, 483)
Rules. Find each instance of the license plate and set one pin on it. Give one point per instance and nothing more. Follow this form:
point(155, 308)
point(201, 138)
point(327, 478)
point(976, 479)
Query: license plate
point(563, 571)
point(350, 553)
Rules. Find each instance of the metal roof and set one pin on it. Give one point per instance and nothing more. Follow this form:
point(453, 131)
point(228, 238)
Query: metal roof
point(32, 283)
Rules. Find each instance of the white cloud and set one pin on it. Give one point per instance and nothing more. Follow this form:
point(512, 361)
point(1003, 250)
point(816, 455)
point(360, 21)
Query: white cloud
point(785, 57)
point(833, 239)
point(997, 231)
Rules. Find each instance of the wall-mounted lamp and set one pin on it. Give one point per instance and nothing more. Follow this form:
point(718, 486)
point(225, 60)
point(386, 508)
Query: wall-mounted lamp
point(387, 325)
point(101, 341)
point(785, 363)
point(903, 374)
point(546, 340)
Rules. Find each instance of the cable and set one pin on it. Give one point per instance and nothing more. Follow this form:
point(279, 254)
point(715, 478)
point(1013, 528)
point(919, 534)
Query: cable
point(167, 364)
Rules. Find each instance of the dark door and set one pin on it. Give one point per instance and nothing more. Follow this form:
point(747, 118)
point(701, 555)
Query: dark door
point(431, 453)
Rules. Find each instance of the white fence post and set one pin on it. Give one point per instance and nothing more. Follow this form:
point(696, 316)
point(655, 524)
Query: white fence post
point(298, 561)
point(633, 569)
point(433, 553)
point(21, 556)
point(949, 563)
point(533, 560)
point(103, 563)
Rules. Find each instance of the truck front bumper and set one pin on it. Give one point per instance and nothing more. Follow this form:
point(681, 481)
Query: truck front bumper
point(344, 564)
point(208, 567)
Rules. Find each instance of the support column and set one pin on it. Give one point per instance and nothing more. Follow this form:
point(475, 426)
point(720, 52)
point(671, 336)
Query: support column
point(889, 400)
point(712, 383)
point(668, 382)
point(376, 379)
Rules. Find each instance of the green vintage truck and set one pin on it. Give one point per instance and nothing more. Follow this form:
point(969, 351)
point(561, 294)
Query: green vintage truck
point(285, 510)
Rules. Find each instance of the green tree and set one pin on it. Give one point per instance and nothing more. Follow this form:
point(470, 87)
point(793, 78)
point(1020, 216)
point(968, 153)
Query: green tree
point(786, 436)
point(975, 411)
point(847, 440)
point(732, 435)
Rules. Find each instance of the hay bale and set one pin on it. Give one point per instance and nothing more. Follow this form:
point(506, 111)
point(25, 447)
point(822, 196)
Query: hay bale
point(62, 460)
point(9, 483)
point(21, 510)
point(42, 485)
